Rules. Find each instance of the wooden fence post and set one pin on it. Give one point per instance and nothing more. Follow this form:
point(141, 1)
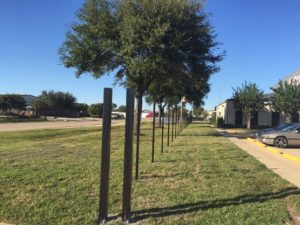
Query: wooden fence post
point(128, 152)
point(105, 155)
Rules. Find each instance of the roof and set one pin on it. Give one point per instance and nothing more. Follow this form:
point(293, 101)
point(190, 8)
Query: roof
point(28, 99)
point(227, 100)
point(291, 78)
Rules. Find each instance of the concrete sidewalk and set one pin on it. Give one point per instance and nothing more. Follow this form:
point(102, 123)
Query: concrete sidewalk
point(285, 168)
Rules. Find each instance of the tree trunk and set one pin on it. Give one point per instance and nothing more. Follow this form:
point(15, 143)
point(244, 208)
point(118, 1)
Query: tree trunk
point(249, 121)
point(138, 128)
point(289, 117)
point(159, 114)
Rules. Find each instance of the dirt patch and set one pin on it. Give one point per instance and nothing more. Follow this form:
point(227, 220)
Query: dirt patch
point(294, 216)
point(55, 124)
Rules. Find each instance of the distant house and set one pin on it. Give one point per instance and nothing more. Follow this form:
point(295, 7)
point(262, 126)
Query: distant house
point(263, 118)
point(29, 99)
point(236, 118)
point(210, 114)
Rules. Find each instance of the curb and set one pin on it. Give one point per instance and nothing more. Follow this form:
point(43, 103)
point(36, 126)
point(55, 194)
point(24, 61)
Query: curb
point(291, 157)
point(275, 150)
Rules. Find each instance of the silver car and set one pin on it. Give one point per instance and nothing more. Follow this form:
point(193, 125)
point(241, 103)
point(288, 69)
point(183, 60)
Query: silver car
point(288, 136)
point(267, 130)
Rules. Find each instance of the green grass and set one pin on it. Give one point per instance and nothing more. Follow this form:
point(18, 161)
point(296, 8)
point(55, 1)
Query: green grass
point(19, 120)
point(52, 177)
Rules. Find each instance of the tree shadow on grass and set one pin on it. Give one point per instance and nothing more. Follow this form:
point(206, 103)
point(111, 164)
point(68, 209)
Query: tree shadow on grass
point(200, 135)
point(156, 176)
point(238, 135)
point(205, 205)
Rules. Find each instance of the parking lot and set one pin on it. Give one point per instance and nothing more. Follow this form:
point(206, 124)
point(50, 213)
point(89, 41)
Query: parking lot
point(244, 133)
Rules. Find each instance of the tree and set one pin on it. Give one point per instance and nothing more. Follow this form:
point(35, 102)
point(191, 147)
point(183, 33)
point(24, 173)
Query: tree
point(286, 98)
point(137, 40)
point(11, 102)
point(250, 99)
point(17, 102)
point(96, 110)
point(122, 108)
point(198, 111)
point(55, 103)
point(4, 103)
point(82, 108)
point(114, 106)
point(41, 105)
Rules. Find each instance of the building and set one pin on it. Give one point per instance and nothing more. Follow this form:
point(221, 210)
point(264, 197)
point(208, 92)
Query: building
point(264, 118)
point(29, 99)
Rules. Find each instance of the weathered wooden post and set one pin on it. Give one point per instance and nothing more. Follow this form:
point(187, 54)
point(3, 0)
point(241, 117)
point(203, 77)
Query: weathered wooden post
point(173, 123)
point(181, 116)
point(162, 130)
point(138, 131)
point(128, 153)
point(105, 155)
point(153, 132)
point(176, 121)
point(168, 125)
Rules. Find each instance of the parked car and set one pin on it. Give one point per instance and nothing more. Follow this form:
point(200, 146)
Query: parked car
point(117, 115)
point(287, 136)
point(149, 115)
point(279, 127)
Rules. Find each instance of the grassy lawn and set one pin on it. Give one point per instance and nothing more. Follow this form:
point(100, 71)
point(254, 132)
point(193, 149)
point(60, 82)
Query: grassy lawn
point(18, 120)
point(52, 177)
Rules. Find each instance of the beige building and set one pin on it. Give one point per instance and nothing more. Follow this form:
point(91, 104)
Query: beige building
point(232, 117)
point(264, 118)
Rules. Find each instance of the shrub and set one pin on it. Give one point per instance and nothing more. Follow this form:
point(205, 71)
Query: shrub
point(220, 122)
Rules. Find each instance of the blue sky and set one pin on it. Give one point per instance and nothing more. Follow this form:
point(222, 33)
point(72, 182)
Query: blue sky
point(262, 40)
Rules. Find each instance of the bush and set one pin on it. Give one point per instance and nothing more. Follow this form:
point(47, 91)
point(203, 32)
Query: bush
point(22, 117)
point(213, 119)
point(220, 122)
point(228, 126)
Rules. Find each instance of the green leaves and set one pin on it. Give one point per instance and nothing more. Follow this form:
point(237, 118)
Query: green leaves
point(56, 103)
point(144, 41)
point(11, 101)
point(248, 98)
point(90, 44)
point(286, 98)
point(96, 110)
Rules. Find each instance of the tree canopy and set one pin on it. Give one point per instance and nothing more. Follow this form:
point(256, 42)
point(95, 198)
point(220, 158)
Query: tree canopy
point(11, 101)
point(286, 98)
point(122, 108)
point(139, 40)
point(55, 103)
point(144, 41)
point(250, 99)
point(96, 110)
